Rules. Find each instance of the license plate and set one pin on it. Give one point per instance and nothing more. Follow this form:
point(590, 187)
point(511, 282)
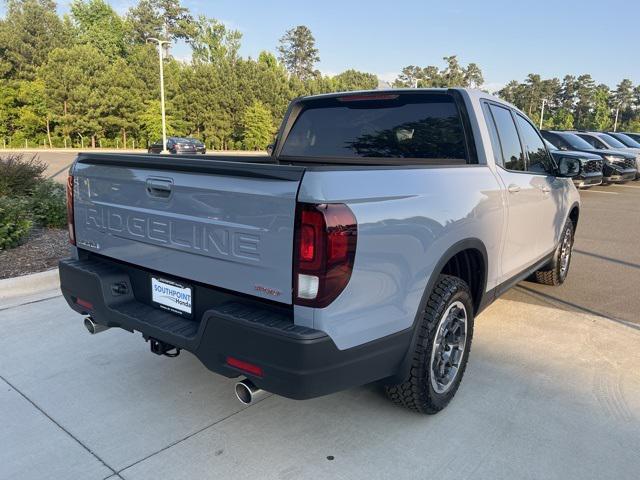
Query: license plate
point(171, 296)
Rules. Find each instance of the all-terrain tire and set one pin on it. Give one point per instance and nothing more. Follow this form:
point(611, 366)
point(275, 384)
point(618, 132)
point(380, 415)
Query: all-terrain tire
point(416, 392)
point(553, 273)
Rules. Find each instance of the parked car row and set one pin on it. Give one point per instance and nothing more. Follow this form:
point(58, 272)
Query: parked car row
point(177, 145)
point(605, 157)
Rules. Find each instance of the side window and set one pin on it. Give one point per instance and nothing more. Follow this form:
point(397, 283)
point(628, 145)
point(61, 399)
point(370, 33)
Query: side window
point(495, 141)
point(593, 141)
point(556, 140)
point(513, 158)
point(539, 161)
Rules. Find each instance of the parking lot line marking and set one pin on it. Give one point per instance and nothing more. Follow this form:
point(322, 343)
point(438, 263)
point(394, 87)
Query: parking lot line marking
point(600, 191)
point(628, 186)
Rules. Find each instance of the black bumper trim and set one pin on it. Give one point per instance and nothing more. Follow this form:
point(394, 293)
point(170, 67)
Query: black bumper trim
point(298, 362)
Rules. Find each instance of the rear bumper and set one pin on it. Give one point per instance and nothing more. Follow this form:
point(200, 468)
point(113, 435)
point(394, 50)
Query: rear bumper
point(297, 362)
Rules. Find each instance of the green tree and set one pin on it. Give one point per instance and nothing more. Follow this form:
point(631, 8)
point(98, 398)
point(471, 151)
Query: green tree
point(99, 25)
point(473, 76)
point(29, 31)
point(257, 128)
point(453, 75)
point(212, 42)
point(601, 116)
point(623, 99)
point(166, 19)
point(75, 87)
point(561, 119)
point(9, 105)
point(33, 116)
point(298, 52)
point(585, 91)
point(354, 80)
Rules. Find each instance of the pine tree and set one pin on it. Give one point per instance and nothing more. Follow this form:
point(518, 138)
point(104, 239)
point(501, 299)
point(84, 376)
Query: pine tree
point(298, 52)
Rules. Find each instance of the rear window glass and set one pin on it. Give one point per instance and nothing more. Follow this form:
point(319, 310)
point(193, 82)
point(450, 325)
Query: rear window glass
point(418, 126)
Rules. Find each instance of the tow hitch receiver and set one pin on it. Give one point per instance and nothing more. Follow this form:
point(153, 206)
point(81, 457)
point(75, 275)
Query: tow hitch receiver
point(160, 348)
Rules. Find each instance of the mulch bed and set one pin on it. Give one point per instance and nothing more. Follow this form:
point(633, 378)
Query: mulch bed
point(41, 252)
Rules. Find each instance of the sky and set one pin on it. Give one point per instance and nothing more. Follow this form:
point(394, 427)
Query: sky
point(507, 39)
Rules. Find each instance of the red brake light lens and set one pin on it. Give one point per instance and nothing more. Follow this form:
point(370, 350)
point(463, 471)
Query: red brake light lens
point(326, 237)
point(368, 97)
point(70, 219)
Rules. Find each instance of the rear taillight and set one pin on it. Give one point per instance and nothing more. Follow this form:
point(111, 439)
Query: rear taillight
point(325, 249)
point(70, 221)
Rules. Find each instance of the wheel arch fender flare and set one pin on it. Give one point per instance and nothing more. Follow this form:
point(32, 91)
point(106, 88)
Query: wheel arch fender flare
point(452, 251)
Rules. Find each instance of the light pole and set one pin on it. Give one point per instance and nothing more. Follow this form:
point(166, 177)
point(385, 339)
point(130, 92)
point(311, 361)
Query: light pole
point(542, 112)
point(615, 123)
point(160, 44)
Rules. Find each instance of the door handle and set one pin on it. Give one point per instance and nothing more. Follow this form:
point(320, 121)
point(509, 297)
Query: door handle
point(513, 188)
point(159, 187)
point(545, 189)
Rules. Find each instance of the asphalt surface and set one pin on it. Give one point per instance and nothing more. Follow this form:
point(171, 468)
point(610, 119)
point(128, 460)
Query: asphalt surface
point(604, 276)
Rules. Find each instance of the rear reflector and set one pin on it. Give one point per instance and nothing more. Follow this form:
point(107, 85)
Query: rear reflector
point(245, 366)
point(84, 304)
point(325, 246)
point(70, 219)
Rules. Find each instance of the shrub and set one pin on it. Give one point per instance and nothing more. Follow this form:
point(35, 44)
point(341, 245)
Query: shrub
point(15, 222)
point(48, 204)
point(19, 176)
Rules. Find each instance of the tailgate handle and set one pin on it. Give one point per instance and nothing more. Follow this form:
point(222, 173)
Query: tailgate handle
point(159, 187)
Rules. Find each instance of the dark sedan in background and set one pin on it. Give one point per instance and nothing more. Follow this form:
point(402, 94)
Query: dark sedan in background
point(200, 146)
point(178, 145)
point(618, 165)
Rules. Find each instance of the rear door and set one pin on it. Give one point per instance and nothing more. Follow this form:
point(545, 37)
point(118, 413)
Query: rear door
point(226, 224)
point(523, 195)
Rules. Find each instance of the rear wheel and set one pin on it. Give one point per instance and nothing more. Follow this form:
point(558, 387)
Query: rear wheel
point(556, 271)
point(441, 351)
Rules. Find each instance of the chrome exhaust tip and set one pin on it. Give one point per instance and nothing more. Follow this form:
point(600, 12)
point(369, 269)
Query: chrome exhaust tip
point(94, 327)
point(247, 392)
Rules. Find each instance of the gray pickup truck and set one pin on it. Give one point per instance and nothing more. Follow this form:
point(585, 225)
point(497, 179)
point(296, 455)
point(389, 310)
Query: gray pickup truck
point(360, 250)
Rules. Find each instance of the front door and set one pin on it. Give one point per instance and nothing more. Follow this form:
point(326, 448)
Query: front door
point(523, 195)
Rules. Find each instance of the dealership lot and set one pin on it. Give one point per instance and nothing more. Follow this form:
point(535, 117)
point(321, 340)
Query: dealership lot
point(552, 391)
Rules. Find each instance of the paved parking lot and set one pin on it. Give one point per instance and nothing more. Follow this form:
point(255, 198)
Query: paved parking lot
point(552, 391)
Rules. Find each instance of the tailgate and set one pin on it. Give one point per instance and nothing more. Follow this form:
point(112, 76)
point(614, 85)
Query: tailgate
point(223, 223)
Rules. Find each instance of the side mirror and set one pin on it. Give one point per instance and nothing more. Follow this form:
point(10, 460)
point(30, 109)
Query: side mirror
point(568, 167)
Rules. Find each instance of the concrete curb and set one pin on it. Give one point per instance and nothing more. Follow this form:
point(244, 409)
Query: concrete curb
point(35, 284)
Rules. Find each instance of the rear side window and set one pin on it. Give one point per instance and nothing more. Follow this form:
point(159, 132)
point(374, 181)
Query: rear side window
point(593, 141)
point(513, 158)
point(539, 161)
point(411, 126)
